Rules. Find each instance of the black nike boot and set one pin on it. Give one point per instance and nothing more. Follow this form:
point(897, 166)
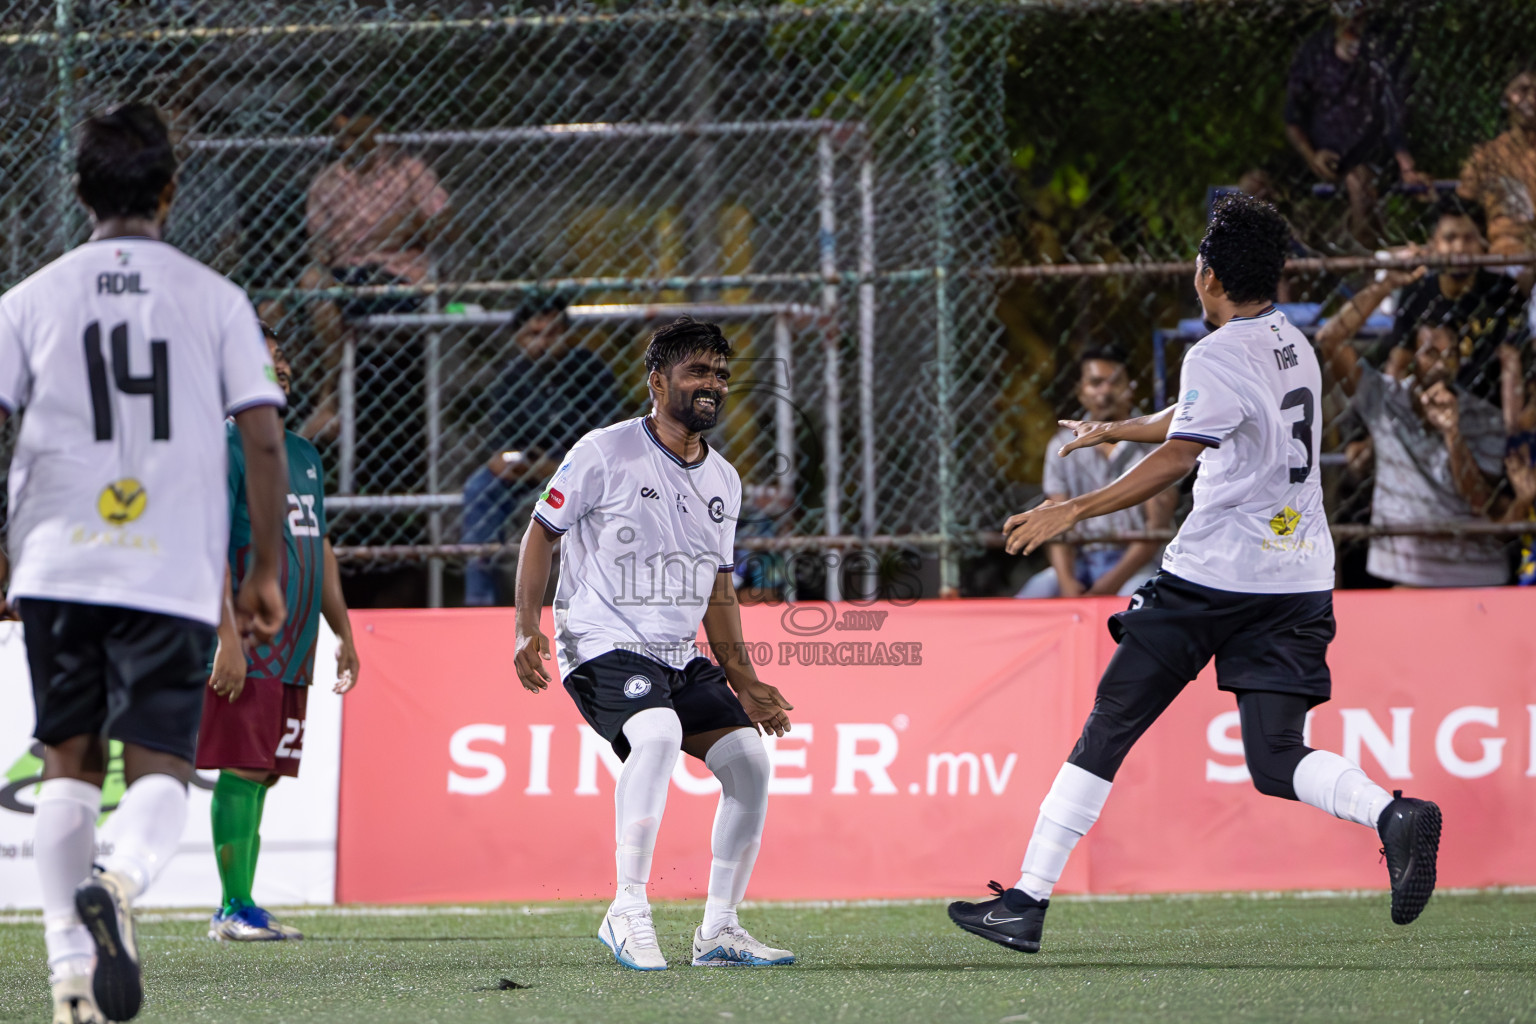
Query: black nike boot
point(1410, 841)
point(1014, 919)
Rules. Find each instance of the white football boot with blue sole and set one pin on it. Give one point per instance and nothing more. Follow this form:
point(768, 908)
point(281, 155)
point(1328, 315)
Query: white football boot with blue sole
point(632, 938)
point(733, 947)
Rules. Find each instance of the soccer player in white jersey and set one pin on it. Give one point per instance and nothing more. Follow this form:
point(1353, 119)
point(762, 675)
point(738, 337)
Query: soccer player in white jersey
point(1248, 581)
point(123, 358)
point(646, 513)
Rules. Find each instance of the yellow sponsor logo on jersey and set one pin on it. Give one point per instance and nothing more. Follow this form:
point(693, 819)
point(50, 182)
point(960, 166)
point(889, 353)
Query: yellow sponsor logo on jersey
point(1285, 522)
point(122, 501)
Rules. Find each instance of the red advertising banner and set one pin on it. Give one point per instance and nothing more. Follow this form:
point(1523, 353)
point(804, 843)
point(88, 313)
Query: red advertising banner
point(924, 739)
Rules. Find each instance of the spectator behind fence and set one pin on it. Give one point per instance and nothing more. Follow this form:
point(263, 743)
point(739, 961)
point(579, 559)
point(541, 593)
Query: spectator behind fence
point(1483, 310)
point(1439, 449)
point(1519, 402)
point(1105, 389)
point(550, 393)
point(370, 216)
point(1344, 112)
point(1501, 173)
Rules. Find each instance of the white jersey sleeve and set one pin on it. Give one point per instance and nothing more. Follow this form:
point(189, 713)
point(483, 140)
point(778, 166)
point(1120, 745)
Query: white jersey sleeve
point(246, 375)
point(14, 375)
point(1209, 410)
point(575, 489)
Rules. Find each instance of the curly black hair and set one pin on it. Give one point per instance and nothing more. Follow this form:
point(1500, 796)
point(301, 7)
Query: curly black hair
point(1245, 246)
point(124, 160)
point(673, 342)
point(1452, 205)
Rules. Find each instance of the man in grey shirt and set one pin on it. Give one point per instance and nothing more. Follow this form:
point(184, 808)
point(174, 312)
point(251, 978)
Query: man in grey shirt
point(1105, 389)
point(1439, 451)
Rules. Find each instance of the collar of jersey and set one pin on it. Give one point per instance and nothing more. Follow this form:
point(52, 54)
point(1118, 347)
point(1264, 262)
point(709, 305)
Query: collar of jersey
point(645, 422)
point(1271, 311)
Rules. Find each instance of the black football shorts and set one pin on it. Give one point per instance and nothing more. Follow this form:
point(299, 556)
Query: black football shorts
point(1276, 642)
point(132, 675)
point(613, 686)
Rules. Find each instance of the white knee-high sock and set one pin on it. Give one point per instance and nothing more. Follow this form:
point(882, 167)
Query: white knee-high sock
point(655, 738)
point(1066, 814)
point(63, 847)
point(740, 761)
point(1331, 783)
point(146, 829)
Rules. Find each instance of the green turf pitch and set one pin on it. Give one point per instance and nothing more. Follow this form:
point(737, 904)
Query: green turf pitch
point(1470, 958)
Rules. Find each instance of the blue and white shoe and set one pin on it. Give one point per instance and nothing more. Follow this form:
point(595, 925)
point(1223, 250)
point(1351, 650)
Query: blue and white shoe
point(632, 937)
point(733, 947)
point(247, 924)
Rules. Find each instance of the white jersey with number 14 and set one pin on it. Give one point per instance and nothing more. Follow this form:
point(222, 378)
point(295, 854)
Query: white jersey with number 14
point(1251, 393)
point(123, 357)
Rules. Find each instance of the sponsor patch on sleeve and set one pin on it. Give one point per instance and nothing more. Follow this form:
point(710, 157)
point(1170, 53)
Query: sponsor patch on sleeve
point(553, 497)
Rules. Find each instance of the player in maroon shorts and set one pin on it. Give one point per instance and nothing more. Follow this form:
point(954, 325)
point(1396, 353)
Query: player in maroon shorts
point(253, 722)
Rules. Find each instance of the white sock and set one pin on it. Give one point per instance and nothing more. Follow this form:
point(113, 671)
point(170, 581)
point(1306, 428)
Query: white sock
point(740, 761)
point(64, 845)
point(146, 830)
point(1330, 783)
point(1066, 814)
point(655, 738)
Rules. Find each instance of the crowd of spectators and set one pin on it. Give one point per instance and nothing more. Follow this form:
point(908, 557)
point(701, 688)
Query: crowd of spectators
point(1444, 420)
point(1439, 422)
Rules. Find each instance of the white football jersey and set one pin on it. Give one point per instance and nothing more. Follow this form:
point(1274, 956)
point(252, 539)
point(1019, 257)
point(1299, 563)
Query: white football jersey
point(1251, 393)
point(645, 536)
point(124, 356)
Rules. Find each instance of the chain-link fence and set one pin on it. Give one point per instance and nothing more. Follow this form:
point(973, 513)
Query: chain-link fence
point(911, 216)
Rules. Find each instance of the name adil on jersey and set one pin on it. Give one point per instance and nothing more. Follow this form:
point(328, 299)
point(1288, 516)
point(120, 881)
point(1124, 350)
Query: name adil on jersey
point(115, 283)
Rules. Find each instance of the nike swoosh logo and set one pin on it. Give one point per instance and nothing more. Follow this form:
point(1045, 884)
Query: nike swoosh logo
point(989, 919)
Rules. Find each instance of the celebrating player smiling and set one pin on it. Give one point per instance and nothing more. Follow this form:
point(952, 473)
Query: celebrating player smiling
point(647, 512)
point(1248, 581)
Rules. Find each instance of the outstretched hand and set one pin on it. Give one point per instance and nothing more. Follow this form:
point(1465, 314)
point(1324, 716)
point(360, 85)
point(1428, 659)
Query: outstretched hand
point(1026, 531)
point(1086, 434)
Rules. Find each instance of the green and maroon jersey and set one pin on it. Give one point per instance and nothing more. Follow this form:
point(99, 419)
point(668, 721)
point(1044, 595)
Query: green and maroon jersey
point(290, 658)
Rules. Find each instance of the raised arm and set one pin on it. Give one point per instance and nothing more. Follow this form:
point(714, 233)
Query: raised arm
point(1165, 467)
point(1151, 429)
point(764, 704)
point(1334, 336)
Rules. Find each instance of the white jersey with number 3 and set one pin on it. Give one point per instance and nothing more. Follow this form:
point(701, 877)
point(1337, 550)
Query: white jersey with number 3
point(1251, 392)
point(123, 358)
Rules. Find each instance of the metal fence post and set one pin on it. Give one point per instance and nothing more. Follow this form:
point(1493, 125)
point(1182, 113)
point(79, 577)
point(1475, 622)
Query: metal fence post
point(831, 332)
point(64, 107)
point(942, 90)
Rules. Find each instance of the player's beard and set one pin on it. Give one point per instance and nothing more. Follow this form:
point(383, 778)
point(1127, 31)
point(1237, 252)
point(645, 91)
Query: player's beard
point(695, 419)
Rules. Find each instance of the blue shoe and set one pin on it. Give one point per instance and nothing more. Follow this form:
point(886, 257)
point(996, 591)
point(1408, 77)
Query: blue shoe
point(246, 924)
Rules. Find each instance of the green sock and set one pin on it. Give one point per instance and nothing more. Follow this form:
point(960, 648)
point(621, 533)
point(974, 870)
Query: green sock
point(261, 806)
point(236, 818)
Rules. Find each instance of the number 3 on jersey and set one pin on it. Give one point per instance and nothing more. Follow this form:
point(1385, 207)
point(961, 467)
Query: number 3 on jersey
point(302, 521)
point(1301, 429)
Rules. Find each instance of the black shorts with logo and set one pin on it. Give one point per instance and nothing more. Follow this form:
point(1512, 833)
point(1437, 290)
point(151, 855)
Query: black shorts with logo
point(1276, 642)
point(132, 675)
point(613, 686)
